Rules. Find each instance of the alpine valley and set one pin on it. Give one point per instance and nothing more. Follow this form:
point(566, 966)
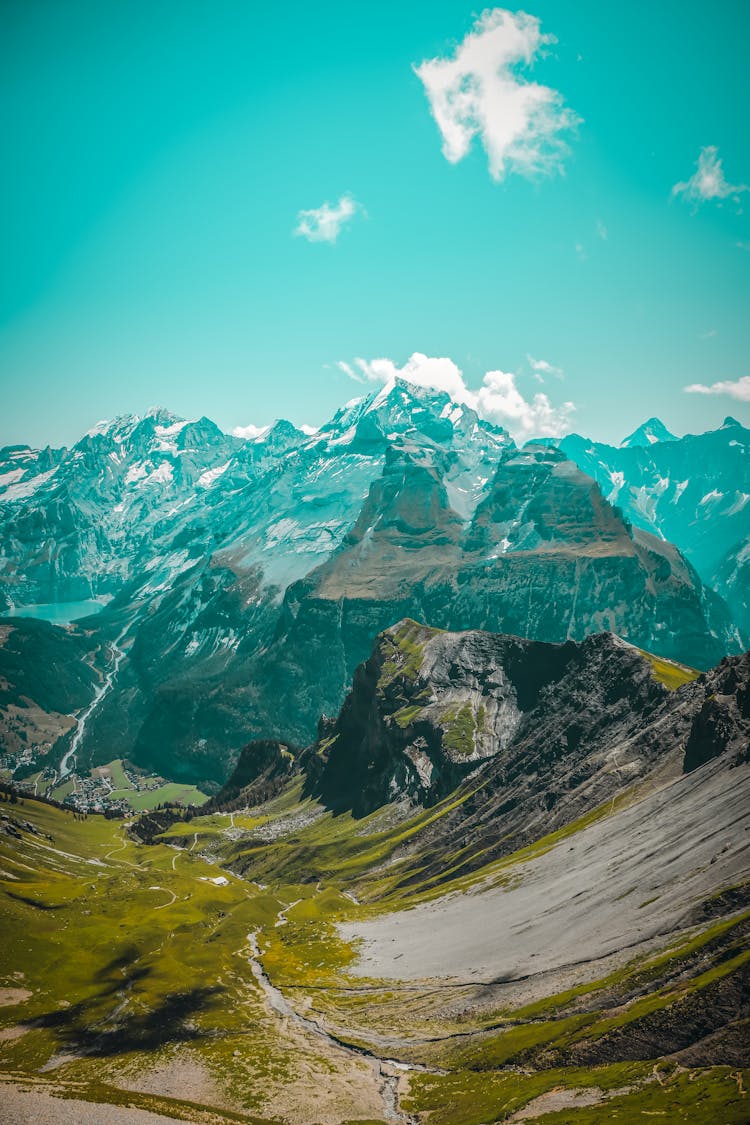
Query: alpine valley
point(391, 772)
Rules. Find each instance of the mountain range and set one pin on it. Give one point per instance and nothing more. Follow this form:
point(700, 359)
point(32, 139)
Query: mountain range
point(233, 573)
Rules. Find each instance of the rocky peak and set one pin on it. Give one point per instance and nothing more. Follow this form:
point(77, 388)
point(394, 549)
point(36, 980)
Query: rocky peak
point(539, 497)
point(647, 434)
point(429, 707)
point(408, 503)
point(722, 724)
point(403, 409)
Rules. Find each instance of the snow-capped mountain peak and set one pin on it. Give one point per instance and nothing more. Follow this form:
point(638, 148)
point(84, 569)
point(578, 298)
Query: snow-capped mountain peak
point(648, 434)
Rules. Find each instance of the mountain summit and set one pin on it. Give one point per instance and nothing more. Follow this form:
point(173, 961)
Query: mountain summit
point(647, 434)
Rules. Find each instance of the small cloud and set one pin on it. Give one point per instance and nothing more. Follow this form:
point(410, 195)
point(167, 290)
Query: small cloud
point(601, 230)
point(542, 368)
point(250, 432)
point(309, 430)
point(708, 183)
point(581, 252)
point(738, 388)
point(498, 400)
point(324, 223)
point(708, 335)
point(479, 92)
point(349, 371)
point(743, 245)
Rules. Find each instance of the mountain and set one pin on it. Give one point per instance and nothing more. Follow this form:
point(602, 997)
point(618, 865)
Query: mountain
point(241, 573)
point(647, 434)
point(546, 732)
point(693, 491)
point(79, 523)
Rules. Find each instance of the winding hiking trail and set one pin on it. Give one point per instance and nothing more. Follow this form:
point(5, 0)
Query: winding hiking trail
point(99, 694)
point(166, 891)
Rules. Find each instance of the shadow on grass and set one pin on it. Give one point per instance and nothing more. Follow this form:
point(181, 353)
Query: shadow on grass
point(35, 902)
point(84, 1029)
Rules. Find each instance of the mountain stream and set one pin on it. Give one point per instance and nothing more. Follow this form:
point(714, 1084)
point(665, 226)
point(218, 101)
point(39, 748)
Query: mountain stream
point(99, 694)
point(385, 1071)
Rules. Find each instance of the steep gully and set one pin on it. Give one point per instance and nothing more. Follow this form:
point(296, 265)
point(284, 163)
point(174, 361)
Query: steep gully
point(104, 687)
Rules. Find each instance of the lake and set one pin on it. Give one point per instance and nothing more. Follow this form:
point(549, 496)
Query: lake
point(58, 613)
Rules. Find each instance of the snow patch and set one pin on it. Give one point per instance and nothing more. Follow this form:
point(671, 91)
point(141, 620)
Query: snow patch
point(11, 477)
point(205, 480)
point(163, 474)
point(25, 488)
point(739, 504)
point(170, 431)
point(618, 480)
point(135, 473)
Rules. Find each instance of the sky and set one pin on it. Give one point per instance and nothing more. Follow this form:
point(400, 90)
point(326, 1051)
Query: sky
point(251, 211)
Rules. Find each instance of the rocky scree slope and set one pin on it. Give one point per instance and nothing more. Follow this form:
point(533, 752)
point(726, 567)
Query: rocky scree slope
point(248, 572)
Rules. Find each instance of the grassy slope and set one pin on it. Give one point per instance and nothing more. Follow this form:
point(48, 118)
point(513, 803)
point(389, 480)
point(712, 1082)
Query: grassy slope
point(150, 798)
point(165, 970)
point(669, 672)
point(166, 975)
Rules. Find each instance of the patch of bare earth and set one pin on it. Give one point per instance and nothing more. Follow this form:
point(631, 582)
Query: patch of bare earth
point(184, 1078)
point(26, 1104)
point(561, 1098)
point(13, 996)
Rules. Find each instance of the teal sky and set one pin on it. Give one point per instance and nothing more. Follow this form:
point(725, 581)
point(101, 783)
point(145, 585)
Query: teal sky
point(156, 157)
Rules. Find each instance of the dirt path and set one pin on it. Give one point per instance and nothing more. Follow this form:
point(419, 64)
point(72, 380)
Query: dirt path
point(166, 891)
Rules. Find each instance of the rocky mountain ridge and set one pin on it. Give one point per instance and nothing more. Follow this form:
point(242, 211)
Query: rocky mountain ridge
point(524, 736)
point(693, 491)
point(240, 573)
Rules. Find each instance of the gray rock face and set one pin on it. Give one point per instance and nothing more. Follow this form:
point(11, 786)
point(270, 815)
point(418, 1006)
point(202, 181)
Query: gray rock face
point(548, 732)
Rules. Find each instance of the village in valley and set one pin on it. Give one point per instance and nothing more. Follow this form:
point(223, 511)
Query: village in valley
point(117, 788)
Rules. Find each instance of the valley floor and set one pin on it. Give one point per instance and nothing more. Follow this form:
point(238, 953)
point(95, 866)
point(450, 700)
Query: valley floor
point(219, 974)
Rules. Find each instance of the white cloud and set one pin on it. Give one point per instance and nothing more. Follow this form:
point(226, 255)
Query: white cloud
point(601, 230)
point(498, 400)
point(739, 388)
point(708, 335)
point(309, 430)
point(324, 223)
point(542, 368)
point(478, 92)
point(743, 245)
point(708, 182)
point(249, 432)
point(422, 370)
